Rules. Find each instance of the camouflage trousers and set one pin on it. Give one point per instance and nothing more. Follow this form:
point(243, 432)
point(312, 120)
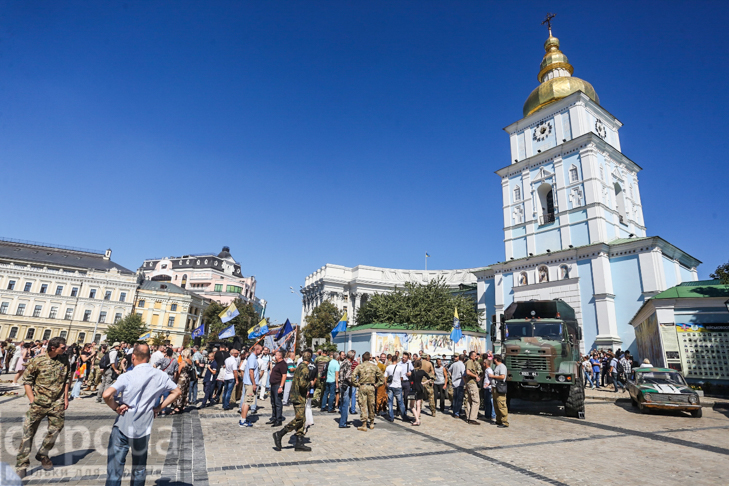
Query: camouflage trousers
point(473, 400)
point(318, 392)
point(430, 396)
point(106, 381)
point(56, 414)
point(366, 400)
point(299, 420)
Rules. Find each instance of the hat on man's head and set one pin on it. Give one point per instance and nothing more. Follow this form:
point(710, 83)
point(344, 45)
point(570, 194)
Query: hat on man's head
point(116, 343)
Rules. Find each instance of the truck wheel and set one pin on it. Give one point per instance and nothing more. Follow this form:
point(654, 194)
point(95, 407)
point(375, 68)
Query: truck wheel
point(575, 402)
point(696, 413)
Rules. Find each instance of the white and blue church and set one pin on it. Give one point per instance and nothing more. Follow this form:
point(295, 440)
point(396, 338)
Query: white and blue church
point(573, 215)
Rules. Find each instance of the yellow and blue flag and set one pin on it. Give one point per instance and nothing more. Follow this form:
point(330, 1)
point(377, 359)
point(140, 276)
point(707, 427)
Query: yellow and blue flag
point(427, 255)
point(340, 327)
point(258, 330)
point(229, 313)
point(145, 336)
point(456, 333)
point(227, 332)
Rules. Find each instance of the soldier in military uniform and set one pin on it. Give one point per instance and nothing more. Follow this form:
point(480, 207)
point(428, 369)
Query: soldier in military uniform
point(46, 381)
point(473, 374)
point(321, 363)
point(427, 366)
point(300, 386)
point(367, 377)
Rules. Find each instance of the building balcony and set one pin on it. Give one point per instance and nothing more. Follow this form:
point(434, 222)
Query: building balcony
point(546, 218)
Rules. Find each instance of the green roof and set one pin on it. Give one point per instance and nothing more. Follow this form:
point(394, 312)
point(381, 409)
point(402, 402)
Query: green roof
point(402, 327)
point(693, 290)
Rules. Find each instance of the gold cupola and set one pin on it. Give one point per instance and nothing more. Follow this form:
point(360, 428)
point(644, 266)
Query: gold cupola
point(557, 82)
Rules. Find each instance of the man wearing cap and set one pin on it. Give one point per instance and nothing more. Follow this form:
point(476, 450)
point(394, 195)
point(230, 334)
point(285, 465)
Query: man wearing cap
point(110, 373)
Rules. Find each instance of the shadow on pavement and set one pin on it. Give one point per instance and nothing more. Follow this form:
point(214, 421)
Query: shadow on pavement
point(70, 458)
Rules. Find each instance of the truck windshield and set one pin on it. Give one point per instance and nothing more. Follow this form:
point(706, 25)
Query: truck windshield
point(548, 329)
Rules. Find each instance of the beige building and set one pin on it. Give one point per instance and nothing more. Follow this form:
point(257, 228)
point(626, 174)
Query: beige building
point(48, 291)
point(169, 309)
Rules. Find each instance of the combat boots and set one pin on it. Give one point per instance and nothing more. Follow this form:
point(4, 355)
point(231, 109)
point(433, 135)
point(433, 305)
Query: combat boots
point(277, 436)
point(45, 462)
point(372, 425)
point(363, 427)
point(300, 445)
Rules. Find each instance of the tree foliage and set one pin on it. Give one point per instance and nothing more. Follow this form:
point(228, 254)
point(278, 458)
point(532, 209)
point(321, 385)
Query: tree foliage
point(419, 306)
point(247, 318)
point(321, 321)
point(159, 338)
point(127, 329)
point(722, 273)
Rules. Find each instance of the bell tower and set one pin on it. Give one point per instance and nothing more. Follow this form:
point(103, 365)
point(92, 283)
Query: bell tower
point(568, 183)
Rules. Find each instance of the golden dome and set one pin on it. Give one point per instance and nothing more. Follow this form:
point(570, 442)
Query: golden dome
point(555, 76)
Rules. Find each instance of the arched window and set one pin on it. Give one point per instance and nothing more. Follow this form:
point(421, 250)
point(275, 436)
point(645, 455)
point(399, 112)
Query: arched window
point(46, 334)
point(543, 274)
point(523, 279)
point(30, 333)
point(620, 203)
point(546, 201)
point(13, 333)
point(81, 337)
point(517, 193)
point(564, 272)
point(574, 176)
point(184, 281)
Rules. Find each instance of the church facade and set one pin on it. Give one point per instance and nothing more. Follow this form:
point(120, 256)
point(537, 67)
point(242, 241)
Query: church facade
point(573, 215)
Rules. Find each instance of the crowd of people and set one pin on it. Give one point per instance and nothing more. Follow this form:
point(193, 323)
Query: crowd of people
point(602, 368)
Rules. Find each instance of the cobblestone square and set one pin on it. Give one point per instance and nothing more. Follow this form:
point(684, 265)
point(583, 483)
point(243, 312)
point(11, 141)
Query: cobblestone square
point(614, 444)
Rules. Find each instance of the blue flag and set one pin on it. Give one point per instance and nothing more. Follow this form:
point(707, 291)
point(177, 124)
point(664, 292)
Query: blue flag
point(456, 332)
point(341, 326)
point(199, 331)
point(284, 330)
point(227, 332)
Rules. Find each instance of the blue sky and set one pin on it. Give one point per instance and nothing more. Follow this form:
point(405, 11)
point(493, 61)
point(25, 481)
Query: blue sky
point(306, 133)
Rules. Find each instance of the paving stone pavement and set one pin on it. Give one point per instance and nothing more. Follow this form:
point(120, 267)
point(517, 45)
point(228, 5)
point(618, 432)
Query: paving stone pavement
point(614, 444)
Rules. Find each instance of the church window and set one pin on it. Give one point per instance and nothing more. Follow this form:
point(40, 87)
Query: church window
point(620, 203)
point(574, 176)
point(564, 272)
point(546, 200)
point(523, 279)
point(517, 193)
point(543, 274)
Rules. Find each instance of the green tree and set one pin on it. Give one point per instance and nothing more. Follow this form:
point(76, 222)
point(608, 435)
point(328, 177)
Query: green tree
point(321, 321)
point(247, 318)
point(158, 338)
point(722, 273)
point(127, 329)
point(419, 306)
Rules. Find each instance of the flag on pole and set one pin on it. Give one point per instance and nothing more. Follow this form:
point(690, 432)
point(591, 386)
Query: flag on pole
point(258, 330)
point(341, 326)
point(199, 331)
point(230, 312)
point(145, 336)
point(456, 332)
point(227, 332)
point(427, 255)
point(284, 330)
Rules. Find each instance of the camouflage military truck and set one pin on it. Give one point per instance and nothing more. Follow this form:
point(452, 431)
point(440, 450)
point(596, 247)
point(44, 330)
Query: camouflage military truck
point(540, 342)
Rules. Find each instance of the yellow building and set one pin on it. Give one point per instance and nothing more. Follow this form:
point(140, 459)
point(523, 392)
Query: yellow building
point(169, 309)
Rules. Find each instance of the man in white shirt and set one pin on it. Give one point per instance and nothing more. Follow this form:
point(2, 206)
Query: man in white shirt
point(140, 390)
point(394, 375)
point(264, 361)
point(251, 379)
point(158, 356)
point(457, 370)
point(231, 377)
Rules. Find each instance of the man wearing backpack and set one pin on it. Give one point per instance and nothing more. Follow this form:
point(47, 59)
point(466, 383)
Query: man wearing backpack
point(108, 365)
point(615, 370)
point(96, 375)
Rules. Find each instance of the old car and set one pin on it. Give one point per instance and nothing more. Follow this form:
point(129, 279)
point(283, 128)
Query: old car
point(662, 388)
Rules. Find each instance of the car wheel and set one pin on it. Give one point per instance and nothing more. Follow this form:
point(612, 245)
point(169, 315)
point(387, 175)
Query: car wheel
point(696, 413)
point(642, 407)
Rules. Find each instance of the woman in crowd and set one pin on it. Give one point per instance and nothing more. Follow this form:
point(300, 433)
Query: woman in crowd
point(184, 371)
point(23, 359)
point(489, 412)
point(419, 378)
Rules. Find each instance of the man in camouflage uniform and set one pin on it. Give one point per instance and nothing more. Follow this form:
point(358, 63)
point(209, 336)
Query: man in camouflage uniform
point(473, 403)
point(300, 386)
point(321, 363)
point(96, 371)
point(427, 366)
point(366, 378)
point(46, 381)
